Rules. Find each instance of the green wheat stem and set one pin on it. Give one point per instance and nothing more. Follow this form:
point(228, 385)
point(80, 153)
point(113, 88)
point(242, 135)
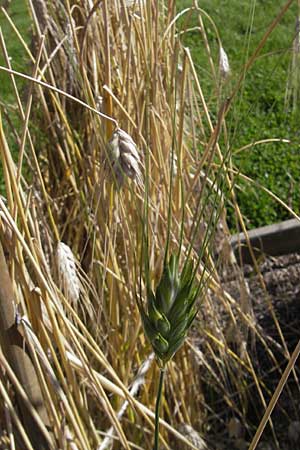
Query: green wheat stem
point(157, 408)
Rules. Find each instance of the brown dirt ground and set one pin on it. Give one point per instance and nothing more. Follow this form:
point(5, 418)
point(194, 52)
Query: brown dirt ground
point(281, 276)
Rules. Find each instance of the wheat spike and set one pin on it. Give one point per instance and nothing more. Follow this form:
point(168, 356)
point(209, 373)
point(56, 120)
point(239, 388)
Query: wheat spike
point(170, 310)
point(223, 63)
point(67, 272)
point(124, 157)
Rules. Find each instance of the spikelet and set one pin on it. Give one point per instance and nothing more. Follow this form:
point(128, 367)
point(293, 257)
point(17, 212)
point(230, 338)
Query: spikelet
point(297, 35)
point(67, 273)
point(174, 163)
point(99, 102)
point(41, 11)
point(224, 63)
point(71, 52)
point(133, 3)
point(193, 436)
point(170, 310)
point(294, 431)
point(124, 157)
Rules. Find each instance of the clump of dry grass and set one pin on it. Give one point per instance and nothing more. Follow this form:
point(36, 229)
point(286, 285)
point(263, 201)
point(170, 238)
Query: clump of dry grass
point(85, 363)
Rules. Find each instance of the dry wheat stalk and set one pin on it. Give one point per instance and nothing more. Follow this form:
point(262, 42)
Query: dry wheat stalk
point(138, 382)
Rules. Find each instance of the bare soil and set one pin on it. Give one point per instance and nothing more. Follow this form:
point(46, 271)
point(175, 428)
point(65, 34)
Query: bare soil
point(276, 309)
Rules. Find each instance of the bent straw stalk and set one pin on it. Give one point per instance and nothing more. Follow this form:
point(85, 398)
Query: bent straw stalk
point(138, 382)
point(59, 91)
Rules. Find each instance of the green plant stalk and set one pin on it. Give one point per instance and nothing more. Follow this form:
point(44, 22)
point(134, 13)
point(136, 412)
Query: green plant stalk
point(157, 407)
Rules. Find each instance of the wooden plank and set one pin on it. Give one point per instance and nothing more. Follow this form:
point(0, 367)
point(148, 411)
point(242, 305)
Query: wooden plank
point(272, 240)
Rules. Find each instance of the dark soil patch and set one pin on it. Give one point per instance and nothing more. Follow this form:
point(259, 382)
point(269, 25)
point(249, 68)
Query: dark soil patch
point(276, 309)
point(281, 276)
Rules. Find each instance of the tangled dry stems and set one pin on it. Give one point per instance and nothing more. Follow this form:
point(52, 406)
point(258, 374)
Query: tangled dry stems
point(132, 59)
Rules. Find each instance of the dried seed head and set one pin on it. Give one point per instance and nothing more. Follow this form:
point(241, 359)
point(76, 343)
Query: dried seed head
point(70, 45)
point(131, 3)
point(174, 163)
point(224, 63)
point(99, 102)
point(296, 43)
point(67, 272)
point(235, 428)
point(294, 431)
point(124, 157)
point(41, 11)
point(193, 436)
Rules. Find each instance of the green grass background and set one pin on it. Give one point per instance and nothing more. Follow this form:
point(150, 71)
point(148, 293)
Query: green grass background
point(19, 14)
point(259, 111)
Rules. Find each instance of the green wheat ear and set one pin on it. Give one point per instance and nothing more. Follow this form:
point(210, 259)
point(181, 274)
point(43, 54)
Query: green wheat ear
point(170, 310)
